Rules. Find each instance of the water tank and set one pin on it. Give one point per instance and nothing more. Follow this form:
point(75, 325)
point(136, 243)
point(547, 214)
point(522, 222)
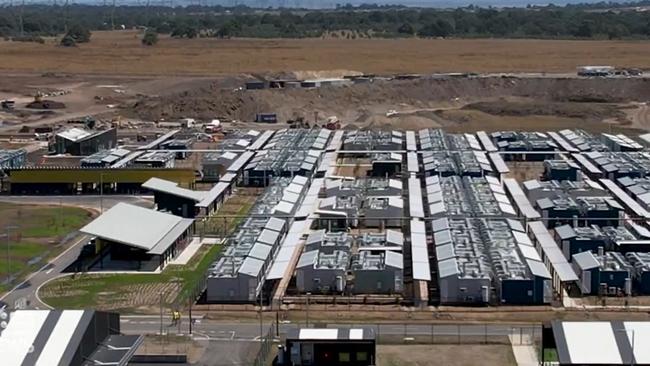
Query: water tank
point(485, 293)
point(628, 286)
point(339, 284)
point(280, 355)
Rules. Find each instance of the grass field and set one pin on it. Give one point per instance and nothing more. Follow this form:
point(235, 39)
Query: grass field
point(445, 355)
point(35, 234)
point(121, 53)
point(139, 292)
point(130, 291)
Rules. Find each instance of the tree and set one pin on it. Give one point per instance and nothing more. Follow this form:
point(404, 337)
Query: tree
point(439, 28)
point(185, 31)
point(68, 41)
point(150, 38)
point(584, 30)
point(406, 28)
point(79, 33)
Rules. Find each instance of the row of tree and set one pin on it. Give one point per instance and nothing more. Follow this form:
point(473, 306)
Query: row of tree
point(196, 21)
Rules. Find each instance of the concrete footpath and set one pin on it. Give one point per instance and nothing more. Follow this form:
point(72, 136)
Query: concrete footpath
point(524, 351)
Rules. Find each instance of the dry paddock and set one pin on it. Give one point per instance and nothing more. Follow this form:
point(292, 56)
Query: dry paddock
point(121, 52)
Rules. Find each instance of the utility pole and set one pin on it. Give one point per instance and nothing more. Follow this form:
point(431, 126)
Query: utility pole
point(22, 26)
point(307, 312)
point(261, 320)
point(101, 193)
point(190, 315)
point(65, 17)
point(113, 16)
point(161, 314)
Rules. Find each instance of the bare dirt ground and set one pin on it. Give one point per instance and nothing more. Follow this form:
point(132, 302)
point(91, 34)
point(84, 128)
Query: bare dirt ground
point(463, 104)
point(122, 53)
point(115, 78)
point(445, 355)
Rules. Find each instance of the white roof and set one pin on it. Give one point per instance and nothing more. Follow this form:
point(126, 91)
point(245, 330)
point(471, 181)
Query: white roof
point(591, 343)
point(283, 207)
point(169, 187)
point(20, 334)
point(74, 134)
point(318, 333)
point(137, 226)
point(641, 331)
point(61, 334)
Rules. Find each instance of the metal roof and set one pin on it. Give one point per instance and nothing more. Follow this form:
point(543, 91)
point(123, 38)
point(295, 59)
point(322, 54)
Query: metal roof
point(260, 251)
point(251, 266)
point(415, 198)
point(586, 260)
point(419, 251)
point(74, 134)
point(52, 337)
point(172, 188)
point(538, 269)
point(565, 232)
point(275, 224)
point(139, 227)
point(520, 199)
point(600, 342)
point(213, 194)
point(269, 237)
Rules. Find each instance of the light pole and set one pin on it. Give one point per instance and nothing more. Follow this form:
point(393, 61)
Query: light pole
point(307, 320)
point(101, 193)
point(261, 320)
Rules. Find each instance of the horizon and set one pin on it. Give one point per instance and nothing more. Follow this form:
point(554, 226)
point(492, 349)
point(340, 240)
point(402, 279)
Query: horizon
point(320, 5)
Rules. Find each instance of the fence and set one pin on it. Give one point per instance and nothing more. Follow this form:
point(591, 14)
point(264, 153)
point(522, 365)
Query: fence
point(443, 333)
point(266, 352)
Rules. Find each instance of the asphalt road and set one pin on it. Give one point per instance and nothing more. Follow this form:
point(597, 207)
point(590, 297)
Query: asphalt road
point(229, 343)
point(212, 330)
point(86, 201)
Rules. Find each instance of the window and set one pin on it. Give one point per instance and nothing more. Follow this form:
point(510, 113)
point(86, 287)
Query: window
point(317, 281)
point(362, 356)
point(344, 357)
point(530, 293)
point(378, 285)
point(463, 289)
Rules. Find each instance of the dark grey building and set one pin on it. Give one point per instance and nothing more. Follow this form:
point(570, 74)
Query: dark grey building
point(65, 337)
point(80, 142)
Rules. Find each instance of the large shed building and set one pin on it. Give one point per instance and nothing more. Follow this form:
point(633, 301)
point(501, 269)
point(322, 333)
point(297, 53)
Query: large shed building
point(138, 238)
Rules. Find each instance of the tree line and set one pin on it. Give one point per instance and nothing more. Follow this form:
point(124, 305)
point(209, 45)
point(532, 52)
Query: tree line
point(573, 21)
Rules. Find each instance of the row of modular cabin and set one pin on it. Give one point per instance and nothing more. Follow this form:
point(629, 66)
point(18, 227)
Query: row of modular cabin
point(76, 180)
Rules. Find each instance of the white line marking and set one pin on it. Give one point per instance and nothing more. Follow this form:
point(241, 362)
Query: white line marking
point(84, 237)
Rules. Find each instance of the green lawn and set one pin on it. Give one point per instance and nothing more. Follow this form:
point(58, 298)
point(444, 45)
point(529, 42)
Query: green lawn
point(97, 290)
point(550, 355)
point(35, 234)
point(42, 221)
point(134, 292)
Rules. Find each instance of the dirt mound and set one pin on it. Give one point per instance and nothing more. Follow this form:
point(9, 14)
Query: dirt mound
point(365, 103)
point(560, 109)
point(45, 104)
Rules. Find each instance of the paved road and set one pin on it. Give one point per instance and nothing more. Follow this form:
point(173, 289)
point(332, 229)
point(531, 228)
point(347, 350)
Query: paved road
point(245, 332)
point(87, 201)
point(26, 290)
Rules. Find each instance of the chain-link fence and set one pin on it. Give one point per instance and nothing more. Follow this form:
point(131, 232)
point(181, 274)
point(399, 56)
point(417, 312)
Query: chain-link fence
point(443, 333)
point(266, 352)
